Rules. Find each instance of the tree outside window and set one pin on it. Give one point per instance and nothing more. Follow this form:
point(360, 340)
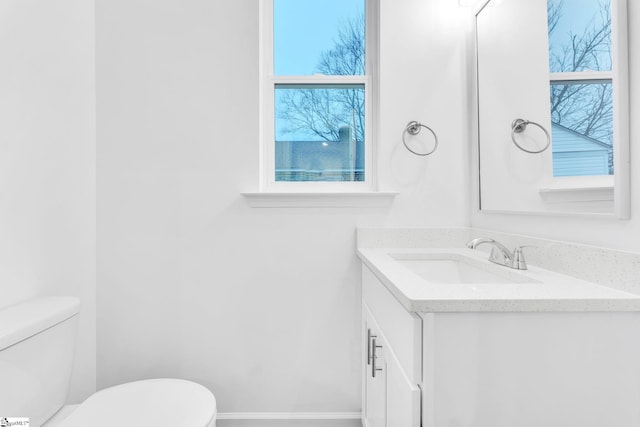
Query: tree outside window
point(581, 86)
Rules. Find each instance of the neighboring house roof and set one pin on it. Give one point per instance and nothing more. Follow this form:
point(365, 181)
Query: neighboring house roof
point(565, 139)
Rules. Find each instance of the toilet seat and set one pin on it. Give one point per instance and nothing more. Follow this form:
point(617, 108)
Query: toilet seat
point(147, 403)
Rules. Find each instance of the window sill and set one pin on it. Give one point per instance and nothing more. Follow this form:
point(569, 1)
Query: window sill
point(577, 194)
point(579, 189)
point(369, 199)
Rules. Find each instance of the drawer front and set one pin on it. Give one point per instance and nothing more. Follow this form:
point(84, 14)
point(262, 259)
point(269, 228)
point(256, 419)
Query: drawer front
point(402, 330)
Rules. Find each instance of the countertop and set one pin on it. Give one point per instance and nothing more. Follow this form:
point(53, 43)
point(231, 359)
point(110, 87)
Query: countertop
point(539, 290)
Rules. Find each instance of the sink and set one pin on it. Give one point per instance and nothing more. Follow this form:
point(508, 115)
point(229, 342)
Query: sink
point(449, 268)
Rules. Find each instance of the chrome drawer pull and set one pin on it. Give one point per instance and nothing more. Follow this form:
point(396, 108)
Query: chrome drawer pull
point(370, 336)
point(374, 348)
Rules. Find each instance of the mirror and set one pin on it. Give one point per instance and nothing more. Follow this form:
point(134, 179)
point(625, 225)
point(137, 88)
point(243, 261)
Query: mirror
point(552, 93)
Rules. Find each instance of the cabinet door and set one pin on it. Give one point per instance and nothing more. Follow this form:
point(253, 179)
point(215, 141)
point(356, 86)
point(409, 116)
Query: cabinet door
point(374, 411)
point(403, 396)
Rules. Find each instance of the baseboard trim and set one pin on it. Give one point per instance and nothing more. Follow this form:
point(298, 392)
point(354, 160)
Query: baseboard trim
point(289, 415)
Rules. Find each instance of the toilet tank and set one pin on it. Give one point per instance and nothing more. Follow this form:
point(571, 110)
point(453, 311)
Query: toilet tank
point(37, 340)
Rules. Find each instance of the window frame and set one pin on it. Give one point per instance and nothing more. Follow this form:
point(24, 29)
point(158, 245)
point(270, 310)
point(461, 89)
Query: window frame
point(268, 83)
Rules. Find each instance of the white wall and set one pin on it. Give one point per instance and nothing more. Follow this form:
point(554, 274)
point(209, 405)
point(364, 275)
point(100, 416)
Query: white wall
point(47, 161)
point(616, 234)
point(260, 305)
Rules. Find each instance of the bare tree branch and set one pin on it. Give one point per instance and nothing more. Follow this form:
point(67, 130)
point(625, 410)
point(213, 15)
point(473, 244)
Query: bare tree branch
point(584, 108)
point(321, 112)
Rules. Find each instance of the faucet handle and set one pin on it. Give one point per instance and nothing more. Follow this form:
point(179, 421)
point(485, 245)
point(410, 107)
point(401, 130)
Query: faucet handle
point(519, 262)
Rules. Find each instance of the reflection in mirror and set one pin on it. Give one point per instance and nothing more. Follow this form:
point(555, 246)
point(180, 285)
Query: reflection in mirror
point(581, 110)
point(560, 65)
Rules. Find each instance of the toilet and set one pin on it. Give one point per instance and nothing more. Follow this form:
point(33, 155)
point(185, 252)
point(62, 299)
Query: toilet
point(37, 340)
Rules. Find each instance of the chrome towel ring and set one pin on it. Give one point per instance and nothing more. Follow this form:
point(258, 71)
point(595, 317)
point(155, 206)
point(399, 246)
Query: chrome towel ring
point(414, 128)
point(519, 125)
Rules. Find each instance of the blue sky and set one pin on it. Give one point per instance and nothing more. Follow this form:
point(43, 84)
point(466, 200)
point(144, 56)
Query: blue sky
point(576, 16)
point(305, 28)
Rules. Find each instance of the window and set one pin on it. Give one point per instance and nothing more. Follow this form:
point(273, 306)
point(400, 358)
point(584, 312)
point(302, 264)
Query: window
point(580, 62)
point(317, 95)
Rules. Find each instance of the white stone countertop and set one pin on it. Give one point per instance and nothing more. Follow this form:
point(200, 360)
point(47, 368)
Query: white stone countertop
point(533, 290)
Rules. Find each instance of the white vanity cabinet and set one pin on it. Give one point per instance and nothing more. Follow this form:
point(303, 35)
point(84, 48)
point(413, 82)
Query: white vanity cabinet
point(391, 359)
point(491, 367)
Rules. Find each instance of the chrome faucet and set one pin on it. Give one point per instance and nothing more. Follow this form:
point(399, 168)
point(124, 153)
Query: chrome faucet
point(500, 254)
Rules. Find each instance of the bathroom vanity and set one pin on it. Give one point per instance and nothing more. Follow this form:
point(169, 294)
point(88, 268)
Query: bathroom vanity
point(451, 339)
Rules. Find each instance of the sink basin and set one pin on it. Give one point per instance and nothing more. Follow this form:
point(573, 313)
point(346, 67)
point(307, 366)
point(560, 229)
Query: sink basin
point(457, 269)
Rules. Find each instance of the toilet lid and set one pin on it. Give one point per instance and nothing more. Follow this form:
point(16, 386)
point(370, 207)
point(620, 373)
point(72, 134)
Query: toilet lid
point(148, 403)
